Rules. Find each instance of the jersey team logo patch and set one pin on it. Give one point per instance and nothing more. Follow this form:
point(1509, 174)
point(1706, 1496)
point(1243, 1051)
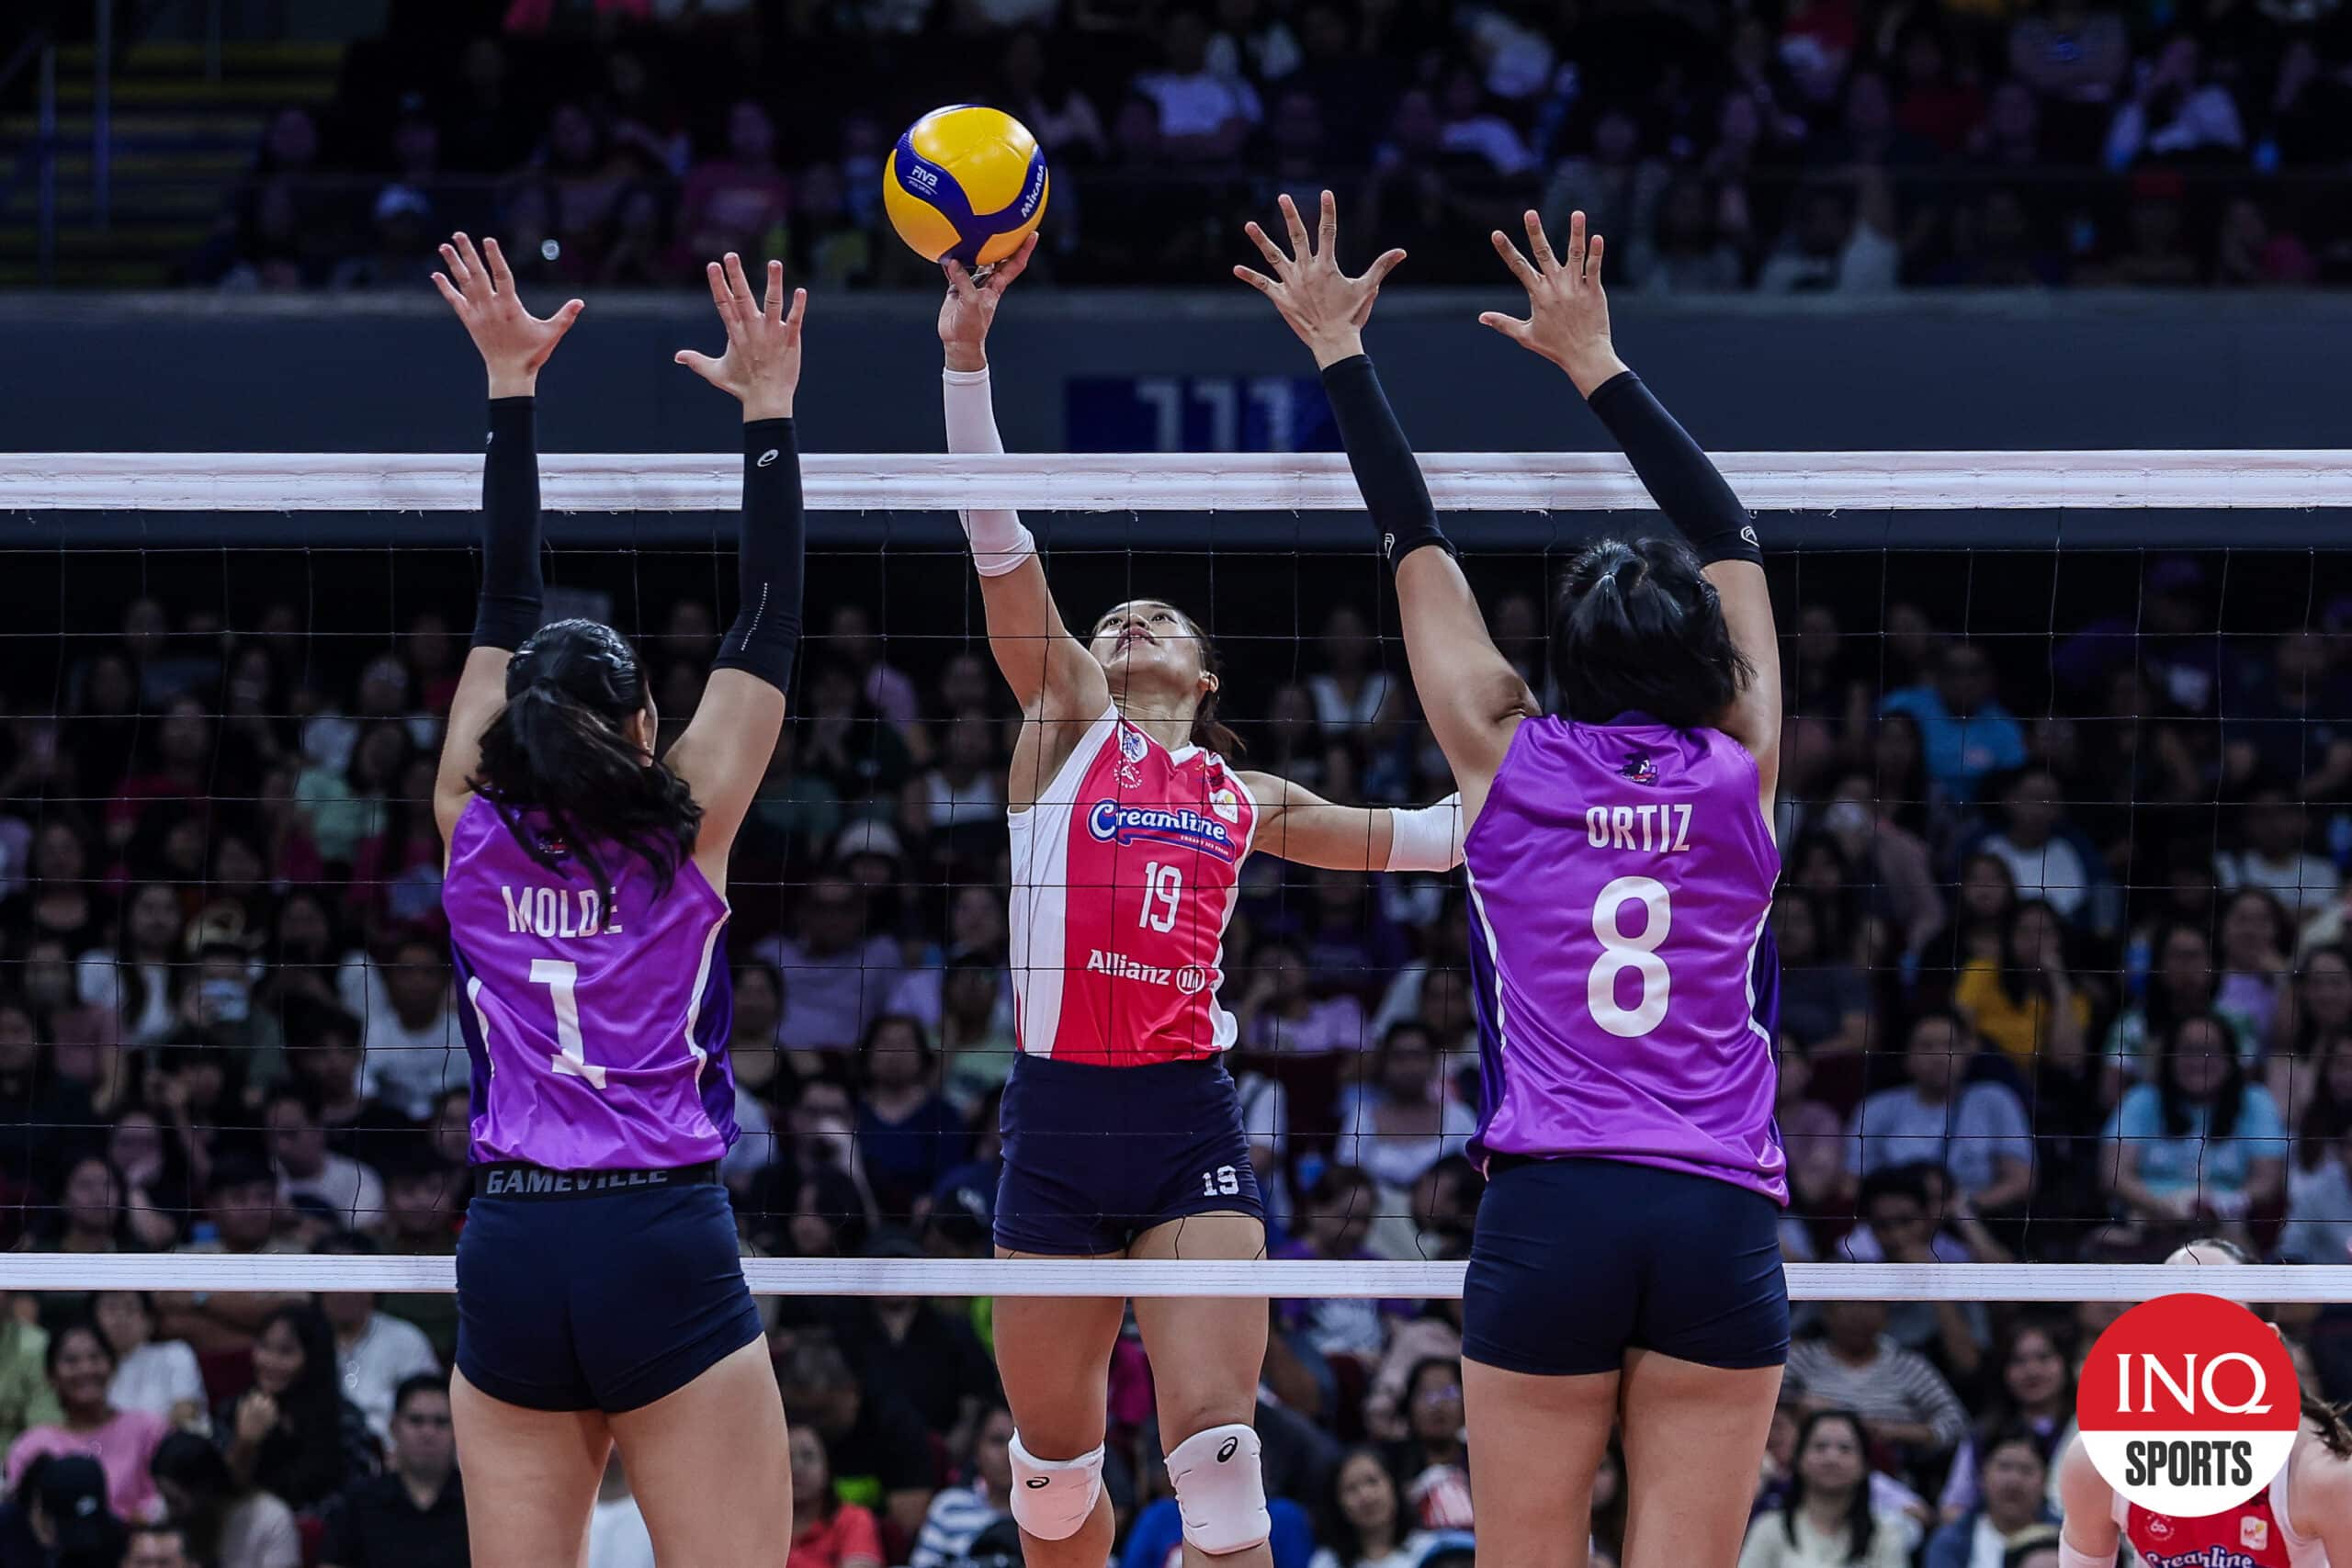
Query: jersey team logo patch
point(2254, 1534)
point(1132, 744)
point(1640, 769)
point(1225, 804)
point(1180, 826)
point(2188, 1405)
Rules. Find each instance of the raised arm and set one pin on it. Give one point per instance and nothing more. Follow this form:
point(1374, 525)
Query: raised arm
point(514, 345)
point(1568, 323)
point(1472, 697)
point(727, 747)
point(1052, 675)
point(1297, 824)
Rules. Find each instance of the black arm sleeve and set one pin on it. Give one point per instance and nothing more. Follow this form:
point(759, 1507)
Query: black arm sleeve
point(1685, 484)
point(766, 632)
point(511, 585)
point(1395, 494)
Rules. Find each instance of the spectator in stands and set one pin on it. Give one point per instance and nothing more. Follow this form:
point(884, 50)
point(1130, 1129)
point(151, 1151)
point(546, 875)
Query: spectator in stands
point(2016, 1477)
point(739, 202)
point(413, 1048)
point(306, 1167)
point(1966, 731)
point(2255, 939)
point(959, 1513)
point(1203, 118)
point(836, 976)
point(1825, 1000)
point(929, 1355)
point(2274, 859)
point(292, 1434)
point(241, 1208)
point(2201, 1147)
point(908, 1133)
point(1058, 113)
point(2027, 1003)
point(1279, 1012)
point(1978, 1131)
point(1363, 1523)
point(1856, 1365)
point(58, 1516)
point(2047, 860)
point(89, 1216)
point(413, 1516)
point(2315, 1014)
point(160, 1377)
point(377, 1355)
point(2182, 986)
point(1432, 1462)
point(2074, 56)
point(2177, 111)
point(1827, 1519)
point(26, 1398)
point(826, 1531)
point(157, 1546)
point(1405, 1121)
point(874, 1450)
point(1900, 1224)
point(134, 981)
point(2033, 1391)
point(1840, 242)
point(2319, 1183)
point(2155, 252)
point(1697, 242)
point(229, 1525)
point(2252, 252)
point(81, 1367)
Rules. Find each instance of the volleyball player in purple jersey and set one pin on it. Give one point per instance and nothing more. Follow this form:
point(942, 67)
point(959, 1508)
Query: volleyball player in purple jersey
point(600, 1295)
point(1621, 862)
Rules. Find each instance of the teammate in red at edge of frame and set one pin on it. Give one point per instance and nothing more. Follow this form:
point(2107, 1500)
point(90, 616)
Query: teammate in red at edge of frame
point(2303, 1520)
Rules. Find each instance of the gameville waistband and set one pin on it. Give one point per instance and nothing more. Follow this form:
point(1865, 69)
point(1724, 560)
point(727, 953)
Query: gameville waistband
point(517, 1179)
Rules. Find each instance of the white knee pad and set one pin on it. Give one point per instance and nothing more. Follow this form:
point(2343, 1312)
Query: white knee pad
point(1220, 1490)
point(1053, 1498)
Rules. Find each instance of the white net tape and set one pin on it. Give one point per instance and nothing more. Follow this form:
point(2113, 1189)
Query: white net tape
point(276, 1272)
point(1475, 481)
point(1810, 481)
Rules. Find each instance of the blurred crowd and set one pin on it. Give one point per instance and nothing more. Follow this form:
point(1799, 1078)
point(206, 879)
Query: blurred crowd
point(1828, 146)
point(2061, 929)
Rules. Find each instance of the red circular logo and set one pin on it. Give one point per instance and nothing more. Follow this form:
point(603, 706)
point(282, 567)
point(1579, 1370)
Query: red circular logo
point(2188, 1405)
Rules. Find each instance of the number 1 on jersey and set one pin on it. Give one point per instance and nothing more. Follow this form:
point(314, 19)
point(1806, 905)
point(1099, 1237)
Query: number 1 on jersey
point(559, 975)
point(1163, 888)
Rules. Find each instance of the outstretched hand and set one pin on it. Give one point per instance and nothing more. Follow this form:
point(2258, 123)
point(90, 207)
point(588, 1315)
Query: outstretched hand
point(1567, 314)
point(969, 309)
point(513, 343)
point(1323, 305)
point(760, 369)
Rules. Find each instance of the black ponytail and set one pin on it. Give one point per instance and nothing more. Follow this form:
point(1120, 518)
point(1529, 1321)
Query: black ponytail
point(1638, 628)
point(558, 747)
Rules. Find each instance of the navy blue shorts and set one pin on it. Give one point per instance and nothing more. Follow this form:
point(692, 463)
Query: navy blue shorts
point(604, 1299)
point(1576, 1261)
point(1095, 1155)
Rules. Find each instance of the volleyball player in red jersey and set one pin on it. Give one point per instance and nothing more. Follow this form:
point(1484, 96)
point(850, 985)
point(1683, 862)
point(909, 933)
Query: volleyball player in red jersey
point(2303, 1520)
point(1122, 1130)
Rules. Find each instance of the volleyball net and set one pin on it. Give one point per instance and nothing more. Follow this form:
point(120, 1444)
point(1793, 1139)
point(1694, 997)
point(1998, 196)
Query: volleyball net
point(2067, 802)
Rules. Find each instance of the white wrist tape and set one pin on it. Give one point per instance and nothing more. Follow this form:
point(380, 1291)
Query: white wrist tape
point(1426, 838)
point(2070, 1558)
point(999, 541)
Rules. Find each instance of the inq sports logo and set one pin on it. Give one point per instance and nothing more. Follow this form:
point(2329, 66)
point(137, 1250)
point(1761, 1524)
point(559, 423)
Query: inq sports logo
point(2188, 1405)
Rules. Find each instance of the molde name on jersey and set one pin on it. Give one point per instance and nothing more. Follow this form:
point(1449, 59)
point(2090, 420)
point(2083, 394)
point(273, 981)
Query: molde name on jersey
point(1117, 824)
point(556, 911)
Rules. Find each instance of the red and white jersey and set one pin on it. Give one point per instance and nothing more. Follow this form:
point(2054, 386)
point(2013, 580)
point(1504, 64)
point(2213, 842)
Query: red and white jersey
point(2257, 1533)
point(1125, 873)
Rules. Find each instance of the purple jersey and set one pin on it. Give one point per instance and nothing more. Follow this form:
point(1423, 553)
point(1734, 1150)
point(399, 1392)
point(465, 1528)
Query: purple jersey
point(599, 1042)
point(1627, 991)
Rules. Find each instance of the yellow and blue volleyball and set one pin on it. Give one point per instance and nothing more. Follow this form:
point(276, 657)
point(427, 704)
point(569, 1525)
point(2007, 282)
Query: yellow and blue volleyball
point(966, 182)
